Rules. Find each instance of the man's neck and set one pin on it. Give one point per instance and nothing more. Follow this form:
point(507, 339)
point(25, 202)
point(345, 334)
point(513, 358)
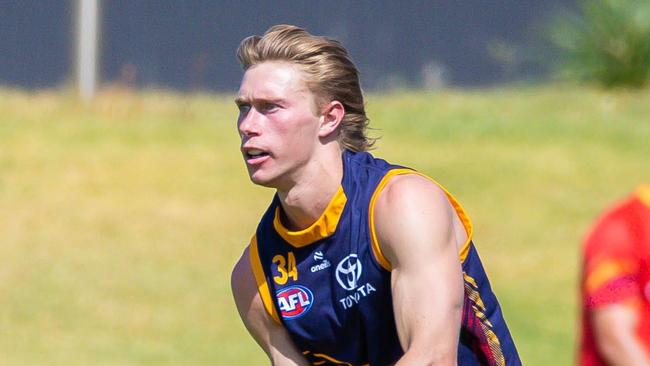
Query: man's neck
point(306, 201)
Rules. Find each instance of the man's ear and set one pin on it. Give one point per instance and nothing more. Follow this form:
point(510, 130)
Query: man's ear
point(331, 116)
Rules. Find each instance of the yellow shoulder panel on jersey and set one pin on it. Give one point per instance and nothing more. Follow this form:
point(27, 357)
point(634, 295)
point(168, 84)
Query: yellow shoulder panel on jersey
point(322, 228)
point(643, 192)
point(606, 271)
point(262, 286)
point(462, 215)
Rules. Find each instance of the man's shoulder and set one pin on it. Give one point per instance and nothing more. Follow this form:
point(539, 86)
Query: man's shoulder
point(241, 275)
point(411, 204)
point(614, 230)
point(413, 186)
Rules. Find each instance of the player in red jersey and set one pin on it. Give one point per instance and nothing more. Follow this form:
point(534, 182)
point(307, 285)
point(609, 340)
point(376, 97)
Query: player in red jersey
point(616, 286)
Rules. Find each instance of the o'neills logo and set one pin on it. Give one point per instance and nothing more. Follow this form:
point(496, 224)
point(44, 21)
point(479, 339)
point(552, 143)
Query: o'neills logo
point(294, 301)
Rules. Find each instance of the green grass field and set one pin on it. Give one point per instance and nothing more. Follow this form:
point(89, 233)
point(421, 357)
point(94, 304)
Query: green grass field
point(120, 220)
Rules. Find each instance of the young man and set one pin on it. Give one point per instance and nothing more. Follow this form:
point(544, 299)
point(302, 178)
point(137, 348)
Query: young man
point(616, 286)
point(356, 261)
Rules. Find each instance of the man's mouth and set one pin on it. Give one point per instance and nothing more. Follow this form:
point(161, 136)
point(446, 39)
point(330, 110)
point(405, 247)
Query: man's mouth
point(254, 153)
point(255, 156)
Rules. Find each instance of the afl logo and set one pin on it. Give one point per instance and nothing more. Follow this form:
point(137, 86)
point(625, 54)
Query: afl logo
point(348, 272)
point(294, 301)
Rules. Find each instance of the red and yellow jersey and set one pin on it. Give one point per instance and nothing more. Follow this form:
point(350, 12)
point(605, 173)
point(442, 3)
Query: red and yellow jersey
point(616, 268)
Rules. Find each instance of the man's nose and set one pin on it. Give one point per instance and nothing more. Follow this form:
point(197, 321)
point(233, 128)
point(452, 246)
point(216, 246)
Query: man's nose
point(249, 123)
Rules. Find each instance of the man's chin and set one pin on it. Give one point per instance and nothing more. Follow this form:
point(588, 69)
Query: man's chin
point(261, 181)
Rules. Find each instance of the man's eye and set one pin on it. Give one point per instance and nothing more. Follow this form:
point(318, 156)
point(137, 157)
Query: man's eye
point(268, 107)
point(243, 108)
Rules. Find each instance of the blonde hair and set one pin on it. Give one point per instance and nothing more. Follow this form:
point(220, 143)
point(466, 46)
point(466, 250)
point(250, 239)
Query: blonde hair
point(331, 75)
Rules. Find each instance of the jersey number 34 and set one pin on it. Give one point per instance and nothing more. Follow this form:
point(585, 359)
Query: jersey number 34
point(286, 268)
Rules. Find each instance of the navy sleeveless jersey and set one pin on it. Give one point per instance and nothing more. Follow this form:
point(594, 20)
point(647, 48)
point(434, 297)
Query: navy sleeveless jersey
point(329, 285)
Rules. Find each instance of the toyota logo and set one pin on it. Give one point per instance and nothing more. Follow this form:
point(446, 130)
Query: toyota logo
point(348, 272)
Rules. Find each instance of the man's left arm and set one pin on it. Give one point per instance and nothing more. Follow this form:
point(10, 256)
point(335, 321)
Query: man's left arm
point(414, 222)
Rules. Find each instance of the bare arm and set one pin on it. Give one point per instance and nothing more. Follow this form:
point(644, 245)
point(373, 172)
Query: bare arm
point(616, 338)
point(414, 224)
point(271, 336)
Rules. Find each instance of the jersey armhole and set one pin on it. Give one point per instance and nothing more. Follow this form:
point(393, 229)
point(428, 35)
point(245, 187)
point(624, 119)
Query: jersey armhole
point(460, 211)
point(262, 286)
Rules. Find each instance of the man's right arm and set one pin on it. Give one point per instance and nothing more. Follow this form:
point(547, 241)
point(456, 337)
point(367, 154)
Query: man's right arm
point(612, 291)
point(615, 328)
point(271, 336)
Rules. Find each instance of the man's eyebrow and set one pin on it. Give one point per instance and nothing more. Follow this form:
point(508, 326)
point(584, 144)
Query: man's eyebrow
point(241, 100)
point(245, 100)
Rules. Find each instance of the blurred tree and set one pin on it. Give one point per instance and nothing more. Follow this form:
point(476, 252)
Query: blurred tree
point(606, 41)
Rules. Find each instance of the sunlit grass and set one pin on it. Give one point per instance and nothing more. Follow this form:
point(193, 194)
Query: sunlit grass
point(120, 219)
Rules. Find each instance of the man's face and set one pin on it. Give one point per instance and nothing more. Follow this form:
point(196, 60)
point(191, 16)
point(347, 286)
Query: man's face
point(277, 123)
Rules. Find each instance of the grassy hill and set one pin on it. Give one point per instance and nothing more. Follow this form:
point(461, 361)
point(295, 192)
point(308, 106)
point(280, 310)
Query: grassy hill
point(120, 219)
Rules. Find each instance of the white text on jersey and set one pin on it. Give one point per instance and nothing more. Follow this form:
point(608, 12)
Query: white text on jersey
point(353, 299)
